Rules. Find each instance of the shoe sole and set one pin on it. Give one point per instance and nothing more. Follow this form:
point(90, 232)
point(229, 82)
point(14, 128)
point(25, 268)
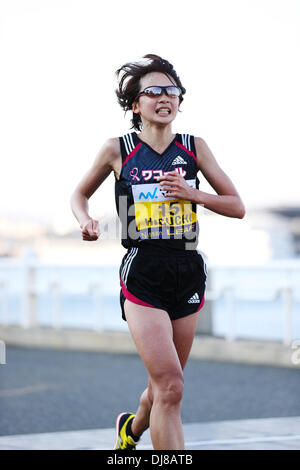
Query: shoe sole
point(117, 428)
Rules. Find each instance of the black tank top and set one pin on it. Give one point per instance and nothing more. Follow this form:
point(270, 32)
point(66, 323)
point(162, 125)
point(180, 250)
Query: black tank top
point(147, 216)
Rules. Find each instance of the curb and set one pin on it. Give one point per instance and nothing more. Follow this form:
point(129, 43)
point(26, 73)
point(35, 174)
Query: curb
point(204, 347)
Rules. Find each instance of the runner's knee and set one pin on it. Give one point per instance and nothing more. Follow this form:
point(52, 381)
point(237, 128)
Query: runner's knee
point(145, 399)
point(169, 390)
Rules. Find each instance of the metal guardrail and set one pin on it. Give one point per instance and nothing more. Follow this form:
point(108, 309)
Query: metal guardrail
point(231, 297)
point(97, 291)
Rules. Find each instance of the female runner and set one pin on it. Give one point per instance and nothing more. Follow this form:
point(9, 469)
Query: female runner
point(162, 275)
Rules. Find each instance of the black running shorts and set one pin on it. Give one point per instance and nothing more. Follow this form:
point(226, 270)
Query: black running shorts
point(174, 282)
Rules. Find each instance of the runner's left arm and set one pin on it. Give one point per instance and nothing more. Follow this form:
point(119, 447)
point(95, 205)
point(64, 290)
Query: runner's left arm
point(226, 202)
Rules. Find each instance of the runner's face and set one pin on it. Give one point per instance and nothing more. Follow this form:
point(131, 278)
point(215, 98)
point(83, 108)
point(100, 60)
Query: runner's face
point(148, 107)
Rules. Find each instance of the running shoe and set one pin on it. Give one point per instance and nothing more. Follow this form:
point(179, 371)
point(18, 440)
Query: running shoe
point(123, 440)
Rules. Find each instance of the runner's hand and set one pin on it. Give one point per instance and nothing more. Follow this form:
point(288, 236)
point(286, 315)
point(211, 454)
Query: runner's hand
point(90, 230)
point(175, 186)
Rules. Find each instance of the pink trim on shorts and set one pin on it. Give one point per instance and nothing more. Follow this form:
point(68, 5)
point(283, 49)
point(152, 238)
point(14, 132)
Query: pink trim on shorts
point(132, 298)
point(201, 304)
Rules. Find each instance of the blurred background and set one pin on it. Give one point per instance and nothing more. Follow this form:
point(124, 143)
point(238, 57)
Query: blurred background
point(239, 61)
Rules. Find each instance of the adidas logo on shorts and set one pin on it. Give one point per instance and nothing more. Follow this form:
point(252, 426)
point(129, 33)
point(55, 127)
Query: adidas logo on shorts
point(178, 161)
point(194, 299)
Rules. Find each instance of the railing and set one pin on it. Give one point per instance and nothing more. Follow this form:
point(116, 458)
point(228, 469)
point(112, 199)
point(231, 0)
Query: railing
point(230, 297)
point(97, 291)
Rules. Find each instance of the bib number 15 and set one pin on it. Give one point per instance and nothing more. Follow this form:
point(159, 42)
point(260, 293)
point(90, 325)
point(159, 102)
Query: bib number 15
point(173, 206)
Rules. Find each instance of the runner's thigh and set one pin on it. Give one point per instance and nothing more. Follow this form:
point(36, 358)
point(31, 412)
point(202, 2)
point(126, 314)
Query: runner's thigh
point(184, 330)
point(152, 332)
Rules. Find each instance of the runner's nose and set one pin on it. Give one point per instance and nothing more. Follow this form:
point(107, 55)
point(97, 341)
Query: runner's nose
point(163, 100)
point(164, 96)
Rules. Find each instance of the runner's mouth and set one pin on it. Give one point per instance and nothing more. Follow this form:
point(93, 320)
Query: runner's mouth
point(164, 111)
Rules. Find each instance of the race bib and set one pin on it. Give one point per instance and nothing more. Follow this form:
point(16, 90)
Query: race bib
point(160, 216)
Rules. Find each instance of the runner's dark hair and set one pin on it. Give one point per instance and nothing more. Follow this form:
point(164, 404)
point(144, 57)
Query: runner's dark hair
point(129, 76)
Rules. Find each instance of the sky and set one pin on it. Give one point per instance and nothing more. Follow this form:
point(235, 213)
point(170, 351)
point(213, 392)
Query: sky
point(238, 60)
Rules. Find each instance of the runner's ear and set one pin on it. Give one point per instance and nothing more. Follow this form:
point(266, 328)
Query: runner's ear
point(135, 107)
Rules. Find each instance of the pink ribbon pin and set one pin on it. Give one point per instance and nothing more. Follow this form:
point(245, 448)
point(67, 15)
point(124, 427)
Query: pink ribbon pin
point(134, 173)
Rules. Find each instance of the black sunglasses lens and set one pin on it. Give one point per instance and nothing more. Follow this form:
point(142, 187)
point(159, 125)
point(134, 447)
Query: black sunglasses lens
point(153, 91)
point(173, 91)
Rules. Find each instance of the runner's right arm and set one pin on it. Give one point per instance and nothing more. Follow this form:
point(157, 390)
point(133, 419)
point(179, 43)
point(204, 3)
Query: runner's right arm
point(106, 161)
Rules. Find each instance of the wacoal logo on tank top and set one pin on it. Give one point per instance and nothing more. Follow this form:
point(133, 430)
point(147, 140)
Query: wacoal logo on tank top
point(153, 174)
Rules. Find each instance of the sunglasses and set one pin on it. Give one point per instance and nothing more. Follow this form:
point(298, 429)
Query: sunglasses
point(153, 91)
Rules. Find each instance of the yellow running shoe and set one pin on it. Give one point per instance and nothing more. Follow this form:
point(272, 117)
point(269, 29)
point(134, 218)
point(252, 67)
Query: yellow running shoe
point(123, 440)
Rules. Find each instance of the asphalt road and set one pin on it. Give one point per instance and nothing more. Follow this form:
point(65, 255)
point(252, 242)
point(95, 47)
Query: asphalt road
point(48, 390)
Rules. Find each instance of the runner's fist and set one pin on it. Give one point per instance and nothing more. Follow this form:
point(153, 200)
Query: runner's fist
point(90, 230)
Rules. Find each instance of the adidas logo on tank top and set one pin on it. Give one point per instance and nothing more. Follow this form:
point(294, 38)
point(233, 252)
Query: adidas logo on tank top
point(179, 161)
